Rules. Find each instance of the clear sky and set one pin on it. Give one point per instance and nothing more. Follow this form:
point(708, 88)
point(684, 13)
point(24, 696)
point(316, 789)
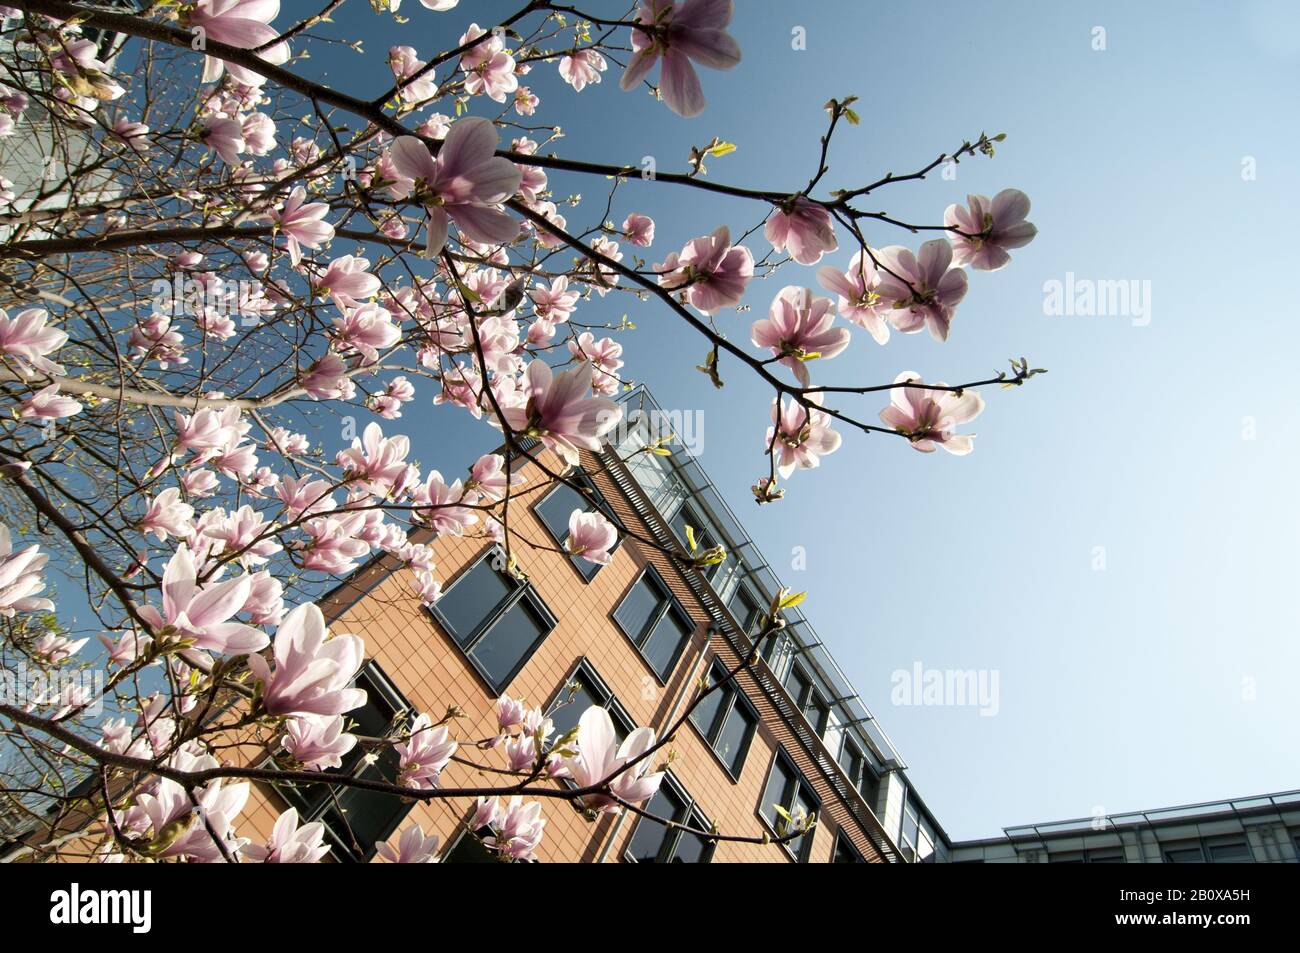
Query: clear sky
point(1168, 441)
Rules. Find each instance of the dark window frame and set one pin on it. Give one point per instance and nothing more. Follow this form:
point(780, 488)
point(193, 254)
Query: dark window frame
point(669, 603)
point(585, 568)
point(1205, 845)
point(523, 591)
point(796, 780)
point(377, 684)
point(809, 692)
point(843, 844)
point(733, 696)
point(694, 521)
point(692, 816)
point(584, 669)
point(748, 625)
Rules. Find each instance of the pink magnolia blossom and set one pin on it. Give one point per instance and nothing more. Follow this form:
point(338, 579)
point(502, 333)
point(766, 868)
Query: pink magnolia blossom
point(798, 330)
point(427, 588)
point(202, 613)
point(581, 67)
point(923, 289)
point(805, 231)
point(526, 102)
point(225, 137)
point(405, 64)
point(928, 417)
point(199, 483)
point(488, 476)
point(126, 649)
point(694, 31)
point(168, 515)
point(304, 496)
point(424, 754)
point(466, 183)
point(56, 648)
point(557, 410)
point(290, 843)
point(334, 543)
point(591, 536)
point(348, 280)
point(600, 755)
point(510, 712)
point(367, 329)
point(326, 379)
point(859, 299)
point(518, 829)
point(489, 70)
point(443, 507)
point(301, 224)
point(802, 436)
point(313, 672)
point(265, 604)
point(412, 847)
point(317, 742)
point(712, 272)
point(245, 532)
point(26, 338)
point(997, 226)
point(259, 133)
point(241, 23)
point(639, 229)
point(378, 460)
point(48, 404)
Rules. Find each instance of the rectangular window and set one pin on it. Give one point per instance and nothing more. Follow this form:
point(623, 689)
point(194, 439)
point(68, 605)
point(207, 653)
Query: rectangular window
point(1190, 854)
point(726, 720)
point(854, 763)
point(498, 620)
point(703, 538)
point(555, 508)
point(744, 606)
point(845, 852)
point(809, 699)
point(787, 788)
point(355, 819)
point(1229, 850)
point(586, 689)
point(654, 843)
point(656, 624)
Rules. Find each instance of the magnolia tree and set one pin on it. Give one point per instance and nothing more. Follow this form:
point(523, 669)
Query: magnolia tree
point(208, 256)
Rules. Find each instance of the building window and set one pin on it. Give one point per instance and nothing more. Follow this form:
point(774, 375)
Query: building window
point(726, 720)
point(498, 620)
point(1215, 850)
point(655, 622)
point(854, 763)
point(787, 789)
point(703, 538)
point(845, 852)
point(356, 819)
point(745, 607)
point(654, 843)
point(579, 692)
point(1104, 855)
point(468, 849)
point(809, 699)
point(555, 508)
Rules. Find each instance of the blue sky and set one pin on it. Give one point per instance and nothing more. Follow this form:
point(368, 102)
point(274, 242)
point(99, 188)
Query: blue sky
point(1166, 677)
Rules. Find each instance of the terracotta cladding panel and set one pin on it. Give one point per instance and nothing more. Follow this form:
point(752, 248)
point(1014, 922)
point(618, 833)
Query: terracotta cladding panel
point(432, 672)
